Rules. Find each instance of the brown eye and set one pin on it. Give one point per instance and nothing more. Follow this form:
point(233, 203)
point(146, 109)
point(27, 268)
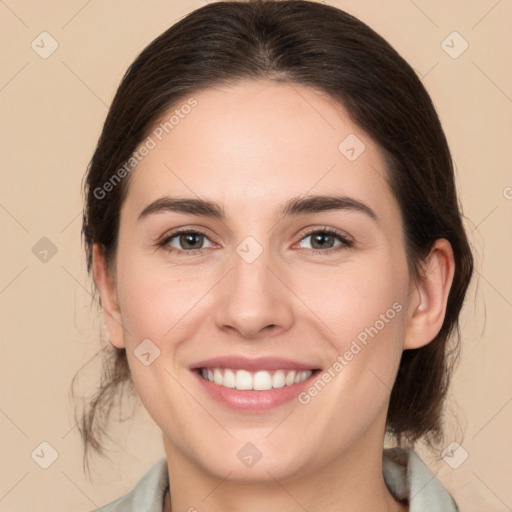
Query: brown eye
point(184, 241)
point(323, 240)
point(190, 240)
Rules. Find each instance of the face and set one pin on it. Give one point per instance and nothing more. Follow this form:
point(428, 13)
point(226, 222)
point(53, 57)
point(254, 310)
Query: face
point(307, 300)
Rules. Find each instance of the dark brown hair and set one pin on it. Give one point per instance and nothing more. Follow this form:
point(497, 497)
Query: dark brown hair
point(321, 47)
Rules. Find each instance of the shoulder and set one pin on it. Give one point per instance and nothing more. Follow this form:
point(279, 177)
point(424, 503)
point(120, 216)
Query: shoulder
point(409, 478)
point(146, 496)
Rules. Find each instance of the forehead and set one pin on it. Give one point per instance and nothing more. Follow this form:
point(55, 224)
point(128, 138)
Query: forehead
point(256, 144)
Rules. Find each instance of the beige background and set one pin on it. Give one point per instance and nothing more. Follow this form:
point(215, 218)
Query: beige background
point(52, 113)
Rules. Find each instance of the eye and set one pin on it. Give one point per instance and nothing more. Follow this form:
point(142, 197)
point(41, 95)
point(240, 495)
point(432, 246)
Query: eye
point(324, 240)
point(191, 241)
point(184, 241)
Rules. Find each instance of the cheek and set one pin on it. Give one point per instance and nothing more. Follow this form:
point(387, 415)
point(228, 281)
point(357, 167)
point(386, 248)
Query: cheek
point(155, 300)
point(356, 298)
point(156, 314)
point(362, 314)
point(364, 324)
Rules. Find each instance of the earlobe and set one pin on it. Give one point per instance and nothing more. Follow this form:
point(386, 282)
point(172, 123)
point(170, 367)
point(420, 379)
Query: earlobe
point(107, 289)
point(431, 298)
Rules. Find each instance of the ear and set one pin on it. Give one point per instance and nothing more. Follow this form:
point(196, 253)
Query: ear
point(428, 306)
point(107, 289)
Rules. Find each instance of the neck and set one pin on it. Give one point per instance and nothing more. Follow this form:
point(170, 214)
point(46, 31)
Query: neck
point(353, 482)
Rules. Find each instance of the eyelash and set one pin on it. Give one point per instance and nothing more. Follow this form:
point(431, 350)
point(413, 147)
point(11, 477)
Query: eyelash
point(345, 242)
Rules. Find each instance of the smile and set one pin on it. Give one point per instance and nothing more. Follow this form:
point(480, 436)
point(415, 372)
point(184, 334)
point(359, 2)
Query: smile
point(262, 380)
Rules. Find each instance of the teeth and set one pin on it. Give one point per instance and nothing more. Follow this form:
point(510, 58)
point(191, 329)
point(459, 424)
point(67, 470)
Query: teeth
point(217, 376)
point(278, 380)
point(260, 380)
point(298, 377)
point(290, 378)
point(243, 380)
point(229, 380)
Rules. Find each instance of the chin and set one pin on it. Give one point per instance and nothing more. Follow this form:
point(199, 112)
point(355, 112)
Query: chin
point(248, 463)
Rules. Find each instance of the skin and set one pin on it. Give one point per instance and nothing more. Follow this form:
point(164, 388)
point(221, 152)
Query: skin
point(252, 146)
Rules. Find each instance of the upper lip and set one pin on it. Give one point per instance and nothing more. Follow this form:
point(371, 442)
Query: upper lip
point(252, 364)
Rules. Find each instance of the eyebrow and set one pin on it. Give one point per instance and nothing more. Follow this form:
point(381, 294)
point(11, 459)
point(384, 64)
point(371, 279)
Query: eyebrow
point(292, 207)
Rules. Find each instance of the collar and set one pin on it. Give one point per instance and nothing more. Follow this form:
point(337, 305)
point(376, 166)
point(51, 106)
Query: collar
point(405, 474)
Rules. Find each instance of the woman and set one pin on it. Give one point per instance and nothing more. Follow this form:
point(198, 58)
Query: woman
point(272, 225)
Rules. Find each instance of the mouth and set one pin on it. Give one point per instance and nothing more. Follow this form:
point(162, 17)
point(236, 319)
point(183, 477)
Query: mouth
point(261, 380)
point(253, 385)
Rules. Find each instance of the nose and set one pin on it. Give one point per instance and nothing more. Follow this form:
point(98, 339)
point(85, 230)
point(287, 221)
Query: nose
point(253, 300)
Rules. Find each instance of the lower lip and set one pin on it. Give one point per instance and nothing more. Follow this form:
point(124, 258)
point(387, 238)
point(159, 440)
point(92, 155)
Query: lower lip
point(252, 400)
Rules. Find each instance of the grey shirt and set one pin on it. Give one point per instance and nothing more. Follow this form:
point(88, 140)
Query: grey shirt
point(405, 474)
